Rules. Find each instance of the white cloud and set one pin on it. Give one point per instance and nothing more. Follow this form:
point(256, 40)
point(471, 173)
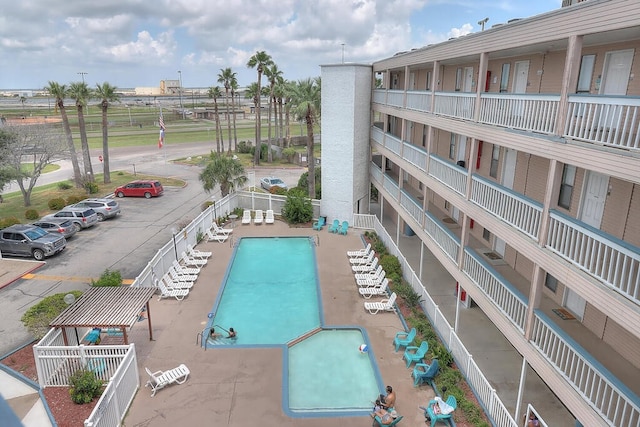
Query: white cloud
point(462, 31)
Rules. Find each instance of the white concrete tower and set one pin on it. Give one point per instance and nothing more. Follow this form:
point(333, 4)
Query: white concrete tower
point(346, 122)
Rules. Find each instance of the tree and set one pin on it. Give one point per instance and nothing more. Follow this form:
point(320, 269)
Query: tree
point(224, 171)
point(22, 101)
point(234, 91)
point(36, 145)
point(226, 76)
point(214, 93)
point(279, 94)
point(80, 93)
point(108, 94)
point(274, 75)
point(60, 92)
point(259, 61)
point(305, 98)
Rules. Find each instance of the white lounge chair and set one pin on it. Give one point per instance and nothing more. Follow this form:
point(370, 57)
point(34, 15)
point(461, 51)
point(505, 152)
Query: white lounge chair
point(220, 230)
point(360, 252)
point(169, 283)
point(363, 260)
point(182, 278)
point(364, 268)
point(216, 237)
point(369, 274)
point(372, 282)
point(246, 216)
point(259, 217)
point(375, 290)
point(269, 217)
point(183, 270)
point(166, 292)
point(194, 253)
point(383, 305)
point(160, 379)
point(191, 261)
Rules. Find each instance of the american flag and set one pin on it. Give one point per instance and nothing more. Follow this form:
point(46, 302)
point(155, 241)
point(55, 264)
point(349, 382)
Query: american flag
point(161, 138)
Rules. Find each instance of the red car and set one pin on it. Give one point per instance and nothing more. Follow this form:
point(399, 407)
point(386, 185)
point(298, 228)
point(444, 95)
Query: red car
point(140, 188)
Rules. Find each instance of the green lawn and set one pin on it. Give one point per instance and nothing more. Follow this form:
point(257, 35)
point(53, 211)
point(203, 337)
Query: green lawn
point(28, 168)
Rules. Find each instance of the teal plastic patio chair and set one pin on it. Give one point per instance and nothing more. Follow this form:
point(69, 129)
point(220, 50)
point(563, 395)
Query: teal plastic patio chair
point(424, 373)
point(319, 224)
point(403, 339)
point(451, 404)
point(335, 226)
point(394, 422)
point(343, 229)
point(415, 354)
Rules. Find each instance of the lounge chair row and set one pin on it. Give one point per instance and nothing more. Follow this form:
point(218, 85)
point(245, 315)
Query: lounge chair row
point(371, 280)
point(218, 234)
point(267, 217)
point(182, 275)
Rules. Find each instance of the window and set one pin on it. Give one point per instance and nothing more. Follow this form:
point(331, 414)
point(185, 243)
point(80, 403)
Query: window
point(586, 73)
point(458, 79)
point(447, 205)
point(566, 187)
point(551, 283)
point(504, 77)
point(428, 80)
point(424, 135)
point(486, 234)
point(452, 146)
point(495, 157)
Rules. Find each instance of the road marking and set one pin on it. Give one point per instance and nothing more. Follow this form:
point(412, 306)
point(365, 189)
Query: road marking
point(31, 276)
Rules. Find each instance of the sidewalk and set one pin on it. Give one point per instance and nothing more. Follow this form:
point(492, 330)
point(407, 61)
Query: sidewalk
point(13, 269)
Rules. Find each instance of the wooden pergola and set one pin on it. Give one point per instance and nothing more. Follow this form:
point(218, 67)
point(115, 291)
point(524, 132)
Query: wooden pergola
point(107, 307)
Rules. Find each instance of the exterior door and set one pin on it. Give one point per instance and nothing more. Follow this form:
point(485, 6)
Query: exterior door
point(412, 81)
point(508, 178)
point(615, 79)
point(467, 79)
point(574, 303)
point(520, 81)
point(595, 195)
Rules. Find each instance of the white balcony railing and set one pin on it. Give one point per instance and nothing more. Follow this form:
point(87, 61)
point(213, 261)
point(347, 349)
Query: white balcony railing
point(513, 208)
point(442, 236)
point(377, 135)
point(608, 396)
point(419, 100)
point(455, 104)
point(417, 156)
point(393, 143)
point(607, 120)
point(391, 186)
point(411, 205)
point(380, 96)
point(395, 98)
point(508, 299)
point(529, 112)
point(449, 174)
point(614, 262)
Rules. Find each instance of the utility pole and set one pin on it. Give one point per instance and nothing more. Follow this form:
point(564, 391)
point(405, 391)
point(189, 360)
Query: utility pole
point(180, 92)
point(83, 73)
point(343, 53)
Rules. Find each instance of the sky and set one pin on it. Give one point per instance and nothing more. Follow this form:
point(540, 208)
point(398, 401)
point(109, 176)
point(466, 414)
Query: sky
point(138, 43)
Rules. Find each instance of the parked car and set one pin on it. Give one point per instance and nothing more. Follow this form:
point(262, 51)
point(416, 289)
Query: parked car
point(271, 181)
point(81, 217)
point(140, 188)
point(61, 226)
point(105, 208)
point(29, 240)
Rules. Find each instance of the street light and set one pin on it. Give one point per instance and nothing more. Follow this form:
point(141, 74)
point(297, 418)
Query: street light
point(83, 73)
point(180, 93)
point(174, 231)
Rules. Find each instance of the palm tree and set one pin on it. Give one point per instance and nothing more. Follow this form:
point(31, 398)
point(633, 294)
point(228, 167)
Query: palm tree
point(225, 77)
point(79, 91)
point(224, 171)
point(234, 90)
point(108, 94)
point(214, 92)
point(279, 96)
point(306, 103)
point(59, 92)
point(274, 75)
point(259, 61)
point(288, 91)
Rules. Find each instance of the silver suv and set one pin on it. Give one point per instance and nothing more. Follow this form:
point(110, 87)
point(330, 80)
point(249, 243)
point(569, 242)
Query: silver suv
point(81, 217)
point(29, 240)
point(105, 208)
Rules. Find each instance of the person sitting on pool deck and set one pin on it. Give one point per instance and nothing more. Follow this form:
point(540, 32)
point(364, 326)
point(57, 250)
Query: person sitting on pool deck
point(386, 417)
point(388, 401)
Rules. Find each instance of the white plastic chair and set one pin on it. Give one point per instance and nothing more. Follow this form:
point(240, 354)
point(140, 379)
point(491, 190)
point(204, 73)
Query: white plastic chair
point(160, 379)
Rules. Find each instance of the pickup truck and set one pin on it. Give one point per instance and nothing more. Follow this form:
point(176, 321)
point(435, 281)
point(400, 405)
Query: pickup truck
point(31, 241)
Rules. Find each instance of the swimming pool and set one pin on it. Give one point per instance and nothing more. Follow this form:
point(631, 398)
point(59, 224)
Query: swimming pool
point(271, 296)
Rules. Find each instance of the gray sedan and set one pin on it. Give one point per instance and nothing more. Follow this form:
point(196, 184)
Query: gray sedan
point(57, 225)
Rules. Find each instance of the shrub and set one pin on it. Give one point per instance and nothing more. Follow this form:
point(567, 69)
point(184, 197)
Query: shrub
point(108, 278)
point(31, 214)
point(37, 318)
point(441, 353)
point(56, 204)
point(289, 153)
point(73, 199)
point(91, 187)
point(120, 173)
point(278, 190)
point(6, 222)
point(244, 148)
point(84, 386)
point(297, 208)
point(303, 182)
point(391, 265)
point(199, 235)
point(206, 204)
point(64, 185)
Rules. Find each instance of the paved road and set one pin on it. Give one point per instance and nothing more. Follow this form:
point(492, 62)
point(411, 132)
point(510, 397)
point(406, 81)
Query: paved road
point(125, 243)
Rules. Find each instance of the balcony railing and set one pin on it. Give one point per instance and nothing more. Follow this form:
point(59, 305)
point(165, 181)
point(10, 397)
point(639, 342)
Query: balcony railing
point(395, 98)
point(391, 186)
point(513, 208)
point(607, 120)
point(614, 262)
point(442, 236)
point(419, 100)
point(411, 205)
point(380, 96)
point(377, 135)
point(455, 104)
point(529, 112)
point(604, 392)
point(449, 174)
point(393, 143)
point(506, 297)
point(417, 156)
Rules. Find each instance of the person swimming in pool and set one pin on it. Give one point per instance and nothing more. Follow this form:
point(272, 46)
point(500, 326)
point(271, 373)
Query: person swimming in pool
point(213, 334)
point(232, 333)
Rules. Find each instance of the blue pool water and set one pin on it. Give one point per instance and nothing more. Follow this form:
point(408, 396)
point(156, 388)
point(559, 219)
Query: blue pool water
point(271, 296)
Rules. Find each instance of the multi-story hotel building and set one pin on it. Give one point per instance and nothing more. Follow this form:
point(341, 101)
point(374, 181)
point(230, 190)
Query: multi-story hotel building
point(511, 157)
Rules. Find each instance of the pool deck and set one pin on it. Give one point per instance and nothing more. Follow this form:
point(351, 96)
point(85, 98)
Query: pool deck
point(243, 387)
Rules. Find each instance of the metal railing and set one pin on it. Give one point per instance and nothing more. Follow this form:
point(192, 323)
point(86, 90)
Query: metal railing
point(455, 104)
point(417, 156)
point(528, 112)
point(419, 100)
point(442, 236)
point(453, 176)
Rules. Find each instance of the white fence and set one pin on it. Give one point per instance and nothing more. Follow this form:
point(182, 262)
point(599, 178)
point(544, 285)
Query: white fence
point(529, 112)
point(453, 176)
